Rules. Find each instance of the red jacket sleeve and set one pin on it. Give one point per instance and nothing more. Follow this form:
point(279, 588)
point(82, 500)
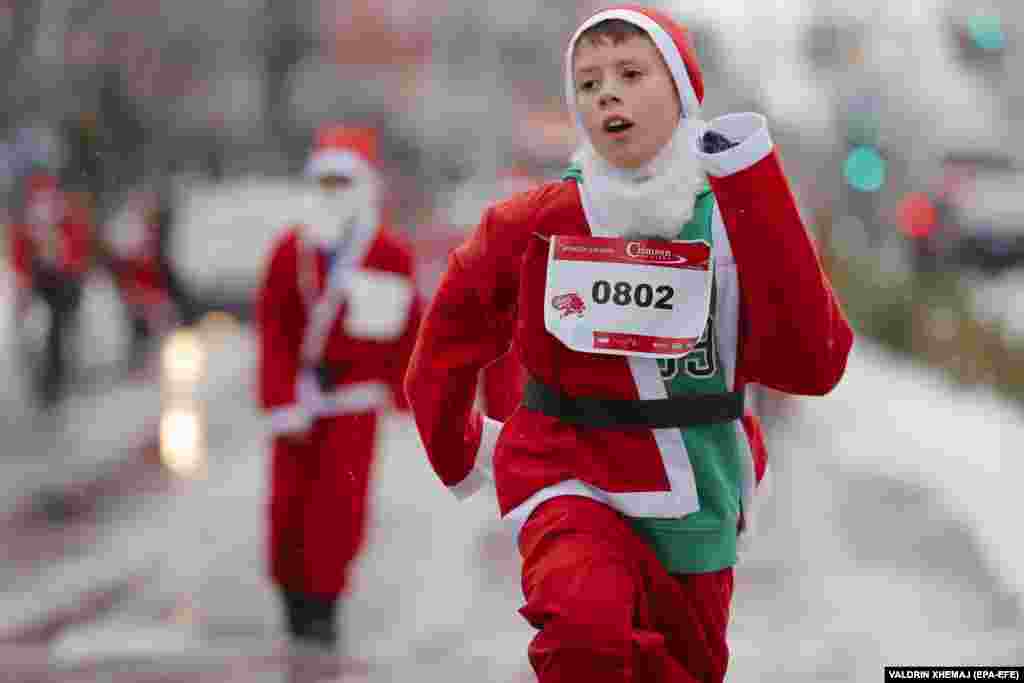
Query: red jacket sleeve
point(280, 322)
point(467, 325)
point(794, 335)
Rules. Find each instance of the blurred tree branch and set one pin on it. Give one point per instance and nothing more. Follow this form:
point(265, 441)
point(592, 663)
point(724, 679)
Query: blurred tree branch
point(287, 43)
point(25, 16)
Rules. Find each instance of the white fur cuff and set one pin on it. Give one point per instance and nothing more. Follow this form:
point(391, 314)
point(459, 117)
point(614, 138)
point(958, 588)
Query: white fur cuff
point(754, 143)
point(289, 419)
point(488, 442)
point(472, 483)
point(483, 469)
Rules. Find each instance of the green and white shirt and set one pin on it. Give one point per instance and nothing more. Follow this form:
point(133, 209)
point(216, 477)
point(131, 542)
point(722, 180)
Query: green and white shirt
point(705, 540)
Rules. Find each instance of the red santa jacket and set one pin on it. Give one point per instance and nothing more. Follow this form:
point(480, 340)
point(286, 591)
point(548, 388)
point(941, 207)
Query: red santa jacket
point(778, 323)
point(54, 232)
point(357, 320)
point(134, 242)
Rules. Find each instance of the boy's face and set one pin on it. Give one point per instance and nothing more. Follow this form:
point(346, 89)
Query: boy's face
point(626, 99)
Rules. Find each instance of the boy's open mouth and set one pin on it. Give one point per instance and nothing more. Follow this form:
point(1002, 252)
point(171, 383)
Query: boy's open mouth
point(617, 124)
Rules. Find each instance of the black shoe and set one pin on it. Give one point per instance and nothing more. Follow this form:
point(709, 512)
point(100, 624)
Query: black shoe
point(294, 611)
point(311, 619)
point(322, 631)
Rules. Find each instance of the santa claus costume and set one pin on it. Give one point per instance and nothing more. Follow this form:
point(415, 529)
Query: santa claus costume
point(629, 473)
point(50, 255)
point(501, 383)
point(136, 249)
point(337, 314)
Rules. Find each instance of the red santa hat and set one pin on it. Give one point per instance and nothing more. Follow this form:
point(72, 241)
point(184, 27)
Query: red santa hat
point(40, 182)
point(347, 151)
point(672, 40)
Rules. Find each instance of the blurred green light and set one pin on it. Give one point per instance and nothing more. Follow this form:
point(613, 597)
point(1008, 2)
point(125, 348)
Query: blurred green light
point(864, 169)
point(986, 30)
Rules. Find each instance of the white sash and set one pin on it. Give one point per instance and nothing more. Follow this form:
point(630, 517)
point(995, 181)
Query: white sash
point(323, 309)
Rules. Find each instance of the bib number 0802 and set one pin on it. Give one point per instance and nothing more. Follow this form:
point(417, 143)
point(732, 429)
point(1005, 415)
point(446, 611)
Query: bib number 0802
point(625, 294)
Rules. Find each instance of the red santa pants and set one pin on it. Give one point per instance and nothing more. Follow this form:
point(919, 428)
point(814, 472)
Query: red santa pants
point(319, 500)
point(606, 608)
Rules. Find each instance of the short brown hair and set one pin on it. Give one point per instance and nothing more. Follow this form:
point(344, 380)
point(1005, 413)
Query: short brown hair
point(614, 30)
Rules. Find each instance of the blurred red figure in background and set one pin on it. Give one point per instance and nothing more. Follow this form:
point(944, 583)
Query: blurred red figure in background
point(50, 253)
point(337, 313)
point(133, 244)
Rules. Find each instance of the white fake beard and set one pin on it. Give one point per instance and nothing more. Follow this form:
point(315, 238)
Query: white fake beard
point(654, 201)
point(329, 218)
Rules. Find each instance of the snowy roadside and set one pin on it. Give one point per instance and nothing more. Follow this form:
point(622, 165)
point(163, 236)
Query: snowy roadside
point(55, 450)
point(100, 464)
point(891, 416)
point(886, 539)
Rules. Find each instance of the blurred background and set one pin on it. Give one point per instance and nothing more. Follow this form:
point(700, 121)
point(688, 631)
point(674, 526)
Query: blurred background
point(152, 150)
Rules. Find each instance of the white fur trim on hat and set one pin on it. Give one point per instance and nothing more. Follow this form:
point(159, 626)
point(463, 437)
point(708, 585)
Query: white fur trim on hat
point(338, 162)
point(662, 40)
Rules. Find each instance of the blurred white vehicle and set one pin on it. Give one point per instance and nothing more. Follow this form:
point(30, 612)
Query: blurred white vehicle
point(224, 234)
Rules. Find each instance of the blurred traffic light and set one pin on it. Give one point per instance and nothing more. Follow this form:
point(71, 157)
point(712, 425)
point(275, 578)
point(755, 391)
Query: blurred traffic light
point(916, 215)
point(864, 169)
point(986, 32)
point(981, 39)
point(863, 126)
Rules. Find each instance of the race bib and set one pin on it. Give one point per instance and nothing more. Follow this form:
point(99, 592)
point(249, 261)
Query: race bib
point(645, 298)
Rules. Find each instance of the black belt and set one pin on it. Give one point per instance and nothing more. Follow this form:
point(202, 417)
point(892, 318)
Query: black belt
point(329, 376)
point(679, 411)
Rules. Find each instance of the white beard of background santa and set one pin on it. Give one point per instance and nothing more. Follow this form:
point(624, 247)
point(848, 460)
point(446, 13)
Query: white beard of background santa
point(329, 217)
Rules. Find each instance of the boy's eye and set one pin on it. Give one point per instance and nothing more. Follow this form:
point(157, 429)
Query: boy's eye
point(586, 86)
point(630, 74)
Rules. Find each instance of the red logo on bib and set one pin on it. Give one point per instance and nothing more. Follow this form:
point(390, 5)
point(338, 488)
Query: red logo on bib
point(569, 304)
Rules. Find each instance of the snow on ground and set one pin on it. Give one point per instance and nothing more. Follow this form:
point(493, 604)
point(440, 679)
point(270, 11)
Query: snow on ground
point(890, 416)
point(418, 603)
point(82, 433)
point(888, 536)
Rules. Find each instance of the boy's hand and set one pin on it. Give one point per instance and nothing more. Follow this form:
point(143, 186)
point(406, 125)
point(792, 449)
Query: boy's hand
point(712, 142)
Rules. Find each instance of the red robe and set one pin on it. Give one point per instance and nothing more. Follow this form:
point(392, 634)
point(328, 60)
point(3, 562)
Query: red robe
point(501, 382)
point(778, 324)
point(320, 485)
point(134, 248)
point(55, 234)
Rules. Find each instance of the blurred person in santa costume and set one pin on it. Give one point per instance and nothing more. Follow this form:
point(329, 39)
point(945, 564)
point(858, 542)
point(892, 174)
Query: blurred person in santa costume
point(50, 255)
point(337, 313)
point(666, 271)
point(136, 249)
